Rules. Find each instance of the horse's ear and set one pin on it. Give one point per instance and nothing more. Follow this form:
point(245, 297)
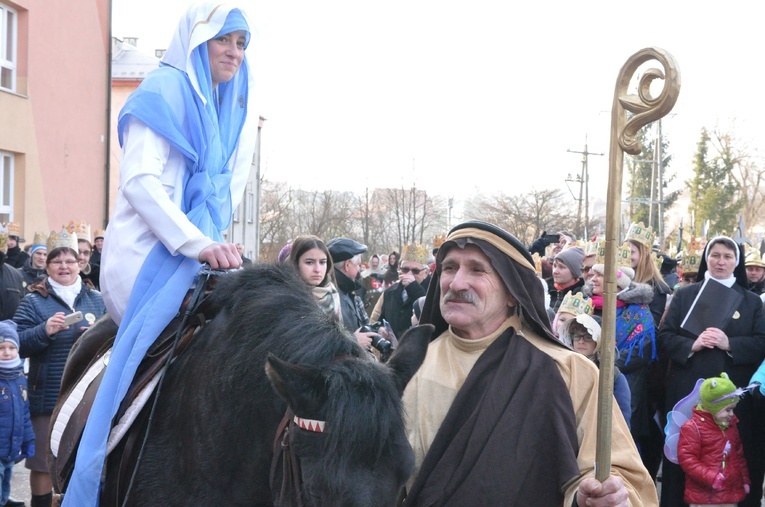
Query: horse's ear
point(410, 354)
point(300, 387)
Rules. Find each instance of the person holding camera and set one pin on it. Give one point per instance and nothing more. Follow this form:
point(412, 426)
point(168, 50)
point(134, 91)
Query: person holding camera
point(346, 257)
point(395, 304)
point(46, 338)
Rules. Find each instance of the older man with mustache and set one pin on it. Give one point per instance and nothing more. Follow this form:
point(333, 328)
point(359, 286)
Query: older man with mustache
point(501, 413)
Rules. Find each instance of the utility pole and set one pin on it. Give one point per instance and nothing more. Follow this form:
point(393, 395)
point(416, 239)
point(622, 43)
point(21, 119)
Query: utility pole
point(584, 186)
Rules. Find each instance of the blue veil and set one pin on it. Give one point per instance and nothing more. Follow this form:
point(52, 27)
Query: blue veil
point(176, 101)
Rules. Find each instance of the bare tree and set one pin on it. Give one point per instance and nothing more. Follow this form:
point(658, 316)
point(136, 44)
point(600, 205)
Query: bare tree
point(275, 219)
point(525, 216)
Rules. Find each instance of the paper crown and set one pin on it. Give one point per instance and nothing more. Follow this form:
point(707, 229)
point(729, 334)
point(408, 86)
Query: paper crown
point(40, 239)
point(415, 253)
point(537, 263)
point(624, 256)
point(62, 239)
point(754, 258)
point(691, 261)
point(576, 304)
point(598, 249)
point(657, 261)
point(14, 229)
point(697, 243)
point(642, 234)
point(3, 239)
point(81, 229)
point(438, 241)
point(100, 233)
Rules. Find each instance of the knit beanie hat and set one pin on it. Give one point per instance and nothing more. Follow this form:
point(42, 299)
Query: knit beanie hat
point(284, 252)
point(8, 332)
point(624, 275)
point(572, 258)
point(717, 393)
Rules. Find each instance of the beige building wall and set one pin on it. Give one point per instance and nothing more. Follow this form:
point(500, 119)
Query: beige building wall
point(57, 123)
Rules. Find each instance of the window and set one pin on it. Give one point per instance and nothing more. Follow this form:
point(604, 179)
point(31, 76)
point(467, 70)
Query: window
point(6, 186)
point(8, 37)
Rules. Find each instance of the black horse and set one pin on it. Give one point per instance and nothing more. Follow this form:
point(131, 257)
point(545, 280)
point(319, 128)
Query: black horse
point(218, 416)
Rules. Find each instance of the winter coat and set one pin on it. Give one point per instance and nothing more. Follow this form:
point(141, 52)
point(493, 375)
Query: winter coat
point(556, 296)
point(30, 274)
point(394, 310)
point(351, 306)
point(636, 341)
point(47, 354)
point(17, 438)
point(700, 452)
point(11, 290)
point(16, 257)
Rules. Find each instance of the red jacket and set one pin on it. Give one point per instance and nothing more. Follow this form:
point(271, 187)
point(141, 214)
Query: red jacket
point(700, 452)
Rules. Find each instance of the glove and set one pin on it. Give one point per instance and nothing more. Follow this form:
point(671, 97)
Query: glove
point(718, 482)
point(759, 378)
point(29, 451)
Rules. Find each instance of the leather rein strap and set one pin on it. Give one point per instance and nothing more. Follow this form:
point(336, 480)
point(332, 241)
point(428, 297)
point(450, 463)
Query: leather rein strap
point(284, 452)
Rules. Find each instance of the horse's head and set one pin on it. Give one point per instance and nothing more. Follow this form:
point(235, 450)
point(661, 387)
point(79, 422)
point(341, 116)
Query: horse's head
point(348, 438)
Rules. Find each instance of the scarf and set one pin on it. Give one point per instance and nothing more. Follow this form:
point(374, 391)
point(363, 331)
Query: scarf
point(328, 299)
point(11, 369)
point(176, 102)
point(68, 293)
point(597, 302)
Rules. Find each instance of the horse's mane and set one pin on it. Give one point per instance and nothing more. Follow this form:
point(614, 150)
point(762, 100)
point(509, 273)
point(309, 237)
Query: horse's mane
point(270, 310)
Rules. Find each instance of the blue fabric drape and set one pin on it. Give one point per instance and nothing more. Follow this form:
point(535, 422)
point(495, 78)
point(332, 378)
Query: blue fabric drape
point(206, 132)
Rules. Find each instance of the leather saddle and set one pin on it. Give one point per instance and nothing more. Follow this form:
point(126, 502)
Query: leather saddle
point(84, 371)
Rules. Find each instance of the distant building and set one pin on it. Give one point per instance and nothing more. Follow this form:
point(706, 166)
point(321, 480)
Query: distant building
point(54, 105)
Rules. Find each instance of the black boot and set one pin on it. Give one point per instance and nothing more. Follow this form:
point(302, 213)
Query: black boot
point(42, 500)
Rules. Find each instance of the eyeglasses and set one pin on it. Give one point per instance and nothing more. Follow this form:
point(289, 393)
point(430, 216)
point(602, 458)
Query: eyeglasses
point(68, 262)
point(586, 269)
point(580, 336)
point(86, 253)
point(414, 271)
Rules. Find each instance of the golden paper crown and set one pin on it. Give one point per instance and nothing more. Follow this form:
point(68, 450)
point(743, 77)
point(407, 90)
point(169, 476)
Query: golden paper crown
point(14, 229)
point(3, 239)
point(576, 304)
point(62, 239)
point(100, 233)
point(81, 230)
point(415, 253)
point(438, 241)
point(624, 256)
point(642, 234)
point(537, 263)
point(598, 249)
point(691, 261)
point(697, 244)
point(40, 238)
point(755, 259)
point(657, 261)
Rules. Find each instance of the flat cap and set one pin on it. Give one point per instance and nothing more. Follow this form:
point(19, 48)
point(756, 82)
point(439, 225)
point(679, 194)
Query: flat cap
point(342, 249)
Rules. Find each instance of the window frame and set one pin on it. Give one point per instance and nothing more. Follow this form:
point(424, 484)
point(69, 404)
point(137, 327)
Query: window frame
point(6, 34)
point(6, 209)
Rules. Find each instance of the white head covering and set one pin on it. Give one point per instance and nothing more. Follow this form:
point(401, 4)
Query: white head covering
point(201, 23)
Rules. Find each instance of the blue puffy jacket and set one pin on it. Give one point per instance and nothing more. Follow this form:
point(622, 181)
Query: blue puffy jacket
point(17, 438)
point(47, 354)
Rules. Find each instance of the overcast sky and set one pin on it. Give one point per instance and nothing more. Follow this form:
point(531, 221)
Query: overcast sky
point(461, 97)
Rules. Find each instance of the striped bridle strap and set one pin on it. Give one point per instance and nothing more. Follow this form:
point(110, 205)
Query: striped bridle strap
point(310, 424)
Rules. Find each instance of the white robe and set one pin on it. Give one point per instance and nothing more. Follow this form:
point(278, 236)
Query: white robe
point(147, 209)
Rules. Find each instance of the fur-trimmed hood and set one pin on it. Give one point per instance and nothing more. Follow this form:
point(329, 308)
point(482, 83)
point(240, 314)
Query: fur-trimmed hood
point(635, 294)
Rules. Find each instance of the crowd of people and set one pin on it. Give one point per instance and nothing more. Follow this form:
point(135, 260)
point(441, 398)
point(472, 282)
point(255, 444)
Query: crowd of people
point(660, 352)
point(504, 409)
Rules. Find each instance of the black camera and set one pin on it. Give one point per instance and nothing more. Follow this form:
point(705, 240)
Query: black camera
point(384, 346)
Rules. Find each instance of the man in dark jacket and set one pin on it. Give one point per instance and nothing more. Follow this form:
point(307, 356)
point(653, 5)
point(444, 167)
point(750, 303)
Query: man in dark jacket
point(395, 304)
point(11, 281)
point(346, 257)
point(16, 257)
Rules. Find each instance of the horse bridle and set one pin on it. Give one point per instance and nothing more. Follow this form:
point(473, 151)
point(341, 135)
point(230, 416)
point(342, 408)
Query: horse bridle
point(291, 472)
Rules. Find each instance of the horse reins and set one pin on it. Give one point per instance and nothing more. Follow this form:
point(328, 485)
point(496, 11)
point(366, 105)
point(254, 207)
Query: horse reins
point(196, 298)
point(291, 472)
